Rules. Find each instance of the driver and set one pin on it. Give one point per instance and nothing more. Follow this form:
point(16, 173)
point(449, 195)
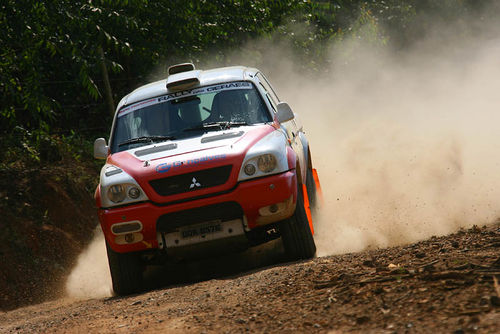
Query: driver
point(189, 112)
point(228, 106)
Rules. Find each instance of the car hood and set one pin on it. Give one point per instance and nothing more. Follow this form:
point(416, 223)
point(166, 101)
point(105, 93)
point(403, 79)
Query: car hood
point(210, 150)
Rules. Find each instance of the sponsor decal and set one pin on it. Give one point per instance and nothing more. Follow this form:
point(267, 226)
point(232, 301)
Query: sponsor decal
point(167, 166)
point(133, 107)
point(229, 86)
point(190, 92)
point(163, 168)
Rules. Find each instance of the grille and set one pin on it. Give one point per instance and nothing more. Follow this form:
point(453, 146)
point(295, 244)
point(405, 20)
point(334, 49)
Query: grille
point(191, 181)
point(224, 211)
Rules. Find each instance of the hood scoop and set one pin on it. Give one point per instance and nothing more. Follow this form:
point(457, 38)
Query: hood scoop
point(155, 149)
point(221, 136)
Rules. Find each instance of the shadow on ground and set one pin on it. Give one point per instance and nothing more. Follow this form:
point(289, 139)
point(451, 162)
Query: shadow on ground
point(227, 266)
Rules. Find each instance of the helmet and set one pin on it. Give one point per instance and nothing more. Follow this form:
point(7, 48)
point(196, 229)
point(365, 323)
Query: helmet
point(189, 111)
point(228, 106)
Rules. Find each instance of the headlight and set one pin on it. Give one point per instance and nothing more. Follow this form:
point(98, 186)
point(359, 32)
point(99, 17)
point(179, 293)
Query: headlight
point(119, 188)
point(266, 157)
point(266, 163)
point(134, 192)
point(260, 165)
point(117, 193)
point(123, 192)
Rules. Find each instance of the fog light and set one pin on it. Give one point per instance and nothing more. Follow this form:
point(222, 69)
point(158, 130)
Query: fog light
point(129, 238)
point(276, 212)
point(274, 208)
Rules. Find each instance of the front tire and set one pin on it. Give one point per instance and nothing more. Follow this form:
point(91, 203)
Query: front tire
point(126, 271)
point(296, 233)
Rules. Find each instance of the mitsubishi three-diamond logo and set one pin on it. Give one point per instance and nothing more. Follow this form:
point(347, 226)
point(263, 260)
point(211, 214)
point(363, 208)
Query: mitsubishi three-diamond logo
point(194, 184)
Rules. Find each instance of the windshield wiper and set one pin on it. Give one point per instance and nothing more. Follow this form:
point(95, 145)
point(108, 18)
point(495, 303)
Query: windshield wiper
point(146, 139)
point(215, 126)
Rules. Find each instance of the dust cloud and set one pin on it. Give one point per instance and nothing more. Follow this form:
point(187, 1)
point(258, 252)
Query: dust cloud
point(406, 143)
point(91, 278)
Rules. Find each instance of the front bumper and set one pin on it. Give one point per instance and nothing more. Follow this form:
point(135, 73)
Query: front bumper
point(252, 196)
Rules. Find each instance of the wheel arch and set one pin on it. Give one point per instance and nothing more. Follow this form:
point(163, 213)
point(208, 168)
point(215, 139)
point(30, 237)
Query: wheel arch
point(306, 150)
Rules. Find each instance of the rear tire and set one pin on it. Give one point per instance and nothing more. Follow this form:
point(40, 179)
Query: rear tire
point(126, 271)
point(296, 234)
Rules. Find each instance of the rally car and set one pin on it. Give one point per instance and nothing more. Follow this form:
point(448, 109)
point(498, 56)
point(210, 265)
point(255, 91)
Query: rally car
point(201, 164)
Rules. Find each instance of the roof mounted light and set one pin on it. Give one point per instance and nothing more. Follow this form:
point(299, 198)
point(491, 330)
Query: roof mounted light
point(183, 80)
point(178, 68)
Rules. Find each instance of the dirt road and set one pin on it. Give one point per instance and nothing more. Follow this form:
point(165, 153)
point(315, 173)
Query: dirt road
point(444, 284)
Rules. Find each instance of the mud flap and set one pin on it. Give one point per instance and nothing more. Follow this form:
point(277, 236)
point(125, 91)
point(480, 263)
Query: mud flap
point(307, 207)
point(318, 185)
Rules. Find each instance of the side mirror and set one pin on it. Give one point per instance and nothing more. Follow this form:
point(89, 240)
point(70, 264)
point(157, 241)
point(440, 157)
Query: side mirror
point(284, 113)
point(100, 148)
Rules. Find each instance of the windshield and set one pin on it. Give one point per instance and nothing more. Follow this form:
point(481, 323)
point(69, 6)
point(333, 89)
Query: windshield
point(183, 113)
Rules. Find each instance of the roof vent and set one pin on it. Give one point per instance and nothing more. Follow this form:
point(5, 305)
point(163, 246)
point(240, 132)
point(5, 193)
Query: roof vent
point(183, 80)
point(184, 67)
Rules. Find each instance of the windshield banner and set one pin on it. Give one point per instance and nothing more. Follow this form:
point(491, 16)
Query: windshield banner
point(190, 92)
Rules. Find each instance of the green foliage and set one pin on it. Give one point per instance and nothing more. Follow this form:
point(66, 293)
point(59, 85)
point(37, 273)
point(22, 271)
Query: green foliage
point(50, 66)
point(49, 56)
point(35, 148)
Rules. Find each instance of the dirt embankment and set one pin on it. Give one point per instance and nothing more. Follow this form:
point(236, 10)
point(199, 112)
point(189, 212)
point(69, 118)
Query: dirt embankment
point(444, 284)
point(47, 217)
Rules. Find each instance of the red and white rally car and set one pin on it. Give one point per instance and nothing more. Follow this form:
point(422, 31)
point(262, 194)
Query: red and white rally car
point(203, 163)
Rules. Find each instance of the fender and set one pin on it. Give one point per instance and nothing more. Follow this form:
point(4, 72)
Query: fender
point(291, 157)
point(305, 146)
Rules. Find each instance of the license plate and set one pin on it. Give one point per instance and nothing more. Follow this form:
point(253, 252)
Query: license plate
point(204, 232)
point(201, 231)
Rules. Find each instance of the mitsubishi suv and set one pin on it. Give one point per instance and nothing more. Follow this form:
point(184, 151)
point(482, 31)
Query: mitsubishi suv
point(200, 164)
